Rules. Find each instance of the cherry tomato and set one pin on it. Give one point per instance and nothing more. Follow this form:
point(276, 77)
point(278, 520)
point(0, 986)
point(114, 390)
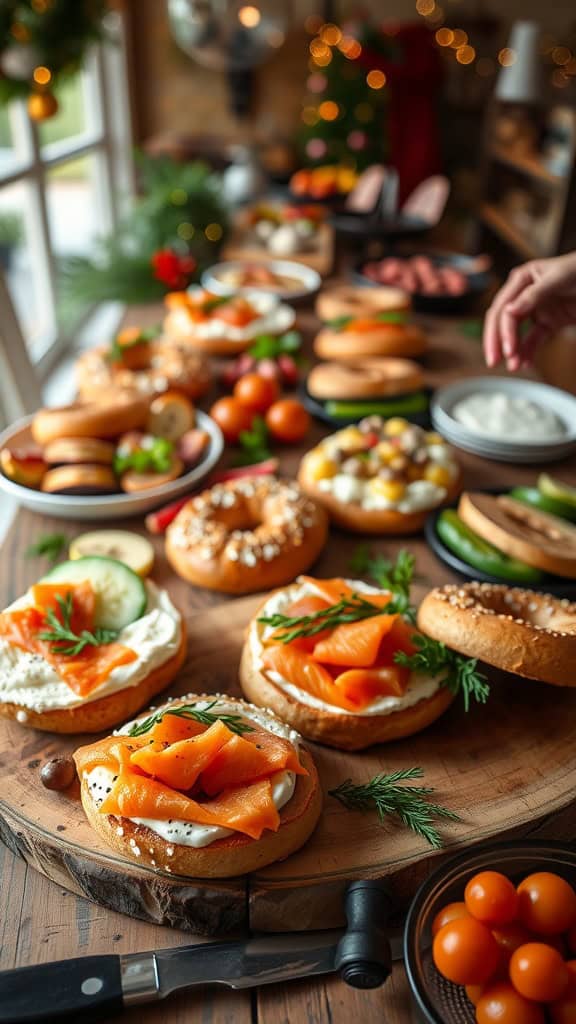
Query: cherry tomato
point(547, 903)
point(538, 972)
point(563, 1011)
point(501, 1004)
point(491, 898)
point(287, 420)
point(256, 392)
point(232, 417)
point(451, 912)
point(465, 952)
point(509, 938)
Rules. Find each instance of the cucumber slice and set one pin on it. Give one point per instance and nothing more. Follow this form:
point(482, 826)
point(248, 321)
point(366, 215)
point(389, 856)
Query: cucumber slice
point(556, 489)
point(120, 594)
point(554, 506)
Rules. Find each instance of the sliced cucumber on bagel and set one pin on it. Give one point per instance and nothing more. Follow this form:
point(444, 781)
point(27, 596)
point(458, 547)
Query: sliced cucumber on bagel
point(120, 594)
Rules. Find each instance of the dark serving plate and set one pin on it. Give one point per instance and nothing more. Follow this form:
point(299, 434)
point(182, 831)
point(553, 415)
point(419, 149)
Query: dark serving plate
point(556, 585)
point(369, 226)
point(440, 304)
point(316, 408)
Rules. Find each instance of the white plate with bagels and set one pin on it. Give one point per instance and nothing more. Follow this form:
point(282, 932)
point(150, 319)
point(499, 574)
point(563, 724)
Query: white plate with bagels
point(108, 460)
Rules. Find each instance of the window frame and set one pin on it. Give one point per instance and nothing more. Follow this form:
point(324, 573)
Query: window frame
point(105, 83)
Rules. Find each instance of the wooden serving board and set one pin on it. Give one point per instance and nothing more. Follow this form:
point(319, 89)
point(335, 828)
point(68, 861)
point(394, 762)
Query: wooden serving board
point(506, 768)
point(241, 246)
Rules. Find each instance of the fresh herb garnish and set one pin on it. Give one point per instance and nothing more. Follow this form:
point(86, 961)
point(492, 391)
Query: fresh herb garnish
point(384, 795)
point(266, 346)
point(217, 300)
point(156, 457)
point(116, 350)
point(460, 675)
point(394, 576)
point(254, 444)
point(61, 636)
point(48, 545)
point(349, 609)
point(203, 715)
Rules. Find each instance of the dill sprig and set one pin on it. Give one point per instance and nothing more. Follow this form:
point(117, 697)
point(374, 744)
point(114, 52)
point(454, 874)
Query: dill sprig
point(203, 715)
point(349, 609)
point(384, 795)
point(396, 576)
point(48, 545)
point(460, 673)
point(61, 636)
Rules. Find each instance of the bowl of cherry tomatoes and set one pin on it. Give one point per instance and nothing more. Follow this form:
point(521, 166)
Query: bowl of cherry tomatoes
point(490, 938)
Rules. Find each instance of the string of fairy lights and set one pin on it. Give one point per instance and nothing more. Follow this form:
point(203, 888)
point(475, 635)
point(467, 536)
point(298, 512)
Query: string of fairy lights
point(559, 58)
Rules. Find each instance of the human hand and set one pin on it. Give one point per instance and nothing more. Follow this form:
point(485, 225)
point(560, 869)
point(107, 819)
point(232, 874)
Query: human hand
point(543, 292)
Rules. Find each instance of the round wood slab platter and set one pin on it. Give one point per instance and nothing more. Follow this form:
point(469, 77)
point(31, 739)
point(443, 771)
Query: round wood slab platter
point(507, 768)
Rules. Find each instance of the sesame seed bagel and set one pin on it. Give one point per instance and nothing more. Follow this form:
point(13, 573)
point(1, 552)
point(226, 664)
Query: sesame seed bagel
point(234, 855)
point(166, 365)
point(333, 729)
point(520, 631)
point(105, 712)
point(246, 535)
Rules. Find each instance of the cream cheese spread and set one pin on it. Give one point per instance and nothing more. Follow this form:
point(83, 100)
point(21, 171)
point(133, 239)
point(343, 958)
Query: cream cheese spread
point(508, 417)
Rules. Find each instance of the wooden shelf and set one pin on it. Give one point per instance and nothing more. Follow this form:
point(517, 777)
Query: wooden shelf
point(531, 166)
point(496, 220)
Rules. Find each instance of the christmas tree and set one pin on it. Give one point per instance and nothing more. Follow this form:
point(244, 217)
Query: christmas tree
point(343, 113)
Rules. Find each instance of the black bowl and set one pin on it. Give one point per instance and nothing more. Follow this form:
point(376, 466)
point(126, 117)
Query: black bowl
point(440, 304)
point(317, 409)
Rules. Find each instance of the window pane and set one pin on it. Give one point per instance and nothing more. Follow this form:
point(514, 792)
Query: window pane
point(77, 113)
point(15, 145)
point(76, 216)
point(20, 260)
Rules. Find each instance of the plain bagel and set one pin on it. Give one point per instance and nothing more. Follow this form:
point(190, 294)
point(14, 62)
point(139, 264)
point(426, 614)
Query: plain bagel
point(109, 416)
point(384, 339)
point(106, 712)
point(520, 631)
point(246, 535)
point(237, 854)
point(352, 300)
point(334, 728)
point(366, 378)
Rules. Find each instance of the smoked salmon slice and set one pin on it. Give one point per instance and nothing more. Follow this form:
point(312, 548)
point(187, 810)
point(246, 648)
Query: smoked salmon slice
point(333, 590)
point(309, 605)
point(181, 763)
point(110, 752)
point(249, 810)
point(171, 728)
point(399, 638)
point(246, 758)
point(361, 686)
point(354, 644)
point(82, 672)
point(301, 670)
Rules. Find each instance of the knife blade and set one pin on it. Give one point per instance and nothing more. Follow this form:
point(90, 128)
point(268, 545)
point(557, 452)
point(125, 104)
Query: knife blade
point(96, 987)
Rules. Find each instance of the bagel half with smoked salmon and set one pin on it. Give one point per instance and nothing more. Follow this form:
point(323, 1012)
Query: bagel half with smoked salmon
point(348, 339)
point(340, 686)
point(204, 786)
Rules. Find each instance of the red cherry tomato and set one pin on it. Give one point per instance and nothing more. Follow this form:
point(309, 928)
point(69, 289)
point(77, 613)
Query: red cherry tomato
point(501, 1004)
point(232, 417)
point(546, 903)
point(287, 420)
point(465, 952)
point(509, 938)
point(451, 912)
point(491, 898)
point(563, 1011)
point(538, 972)
point(256, 392)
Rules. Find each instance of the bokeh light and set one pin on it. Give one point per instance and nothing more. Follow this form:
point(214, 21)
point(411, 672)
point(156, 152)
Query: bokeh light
point(214, 232)
point(465, 54)
point(330, 34)
point(313, 24)
point(459, 38)
point(310, 116)
point(376, 79)
point(507, 57)
point(329, 110)
point(42, 75)
point(249, 16)
point(561, 54)
point(425, 7)
point(444, 37)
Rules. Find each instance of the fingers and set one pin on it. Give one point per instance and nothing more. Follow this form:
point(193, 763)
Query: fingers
point(493, 341)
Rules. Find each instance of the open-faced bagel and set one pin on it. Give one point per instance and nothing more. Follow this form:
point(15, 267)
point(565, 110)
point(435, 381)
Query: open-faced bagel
point(246, 535)
point(519, 631)
point(160, 366)
point(234, 855)
point(109, 416)
point(105, 712)
point(355, 300)
point(384, 339)
point(366, 378)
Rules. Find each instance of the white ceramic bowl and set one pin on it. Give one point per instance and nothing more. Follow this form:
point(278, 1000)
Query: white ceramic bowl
point(107, 506)
point(310, 280)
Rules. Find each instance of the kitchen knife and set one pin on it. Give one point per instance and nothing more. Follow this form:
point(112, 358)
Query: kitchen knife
point(95, 987)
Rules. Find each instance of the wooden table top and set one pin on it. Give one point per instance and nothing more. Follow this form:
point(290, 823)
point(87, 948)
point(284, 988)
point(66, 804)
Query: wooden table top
point(43, 922)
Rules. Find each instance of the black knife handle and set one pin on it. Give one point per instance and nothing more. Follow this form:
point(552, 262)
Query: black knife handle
point(364, 957)
point(88, 989)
